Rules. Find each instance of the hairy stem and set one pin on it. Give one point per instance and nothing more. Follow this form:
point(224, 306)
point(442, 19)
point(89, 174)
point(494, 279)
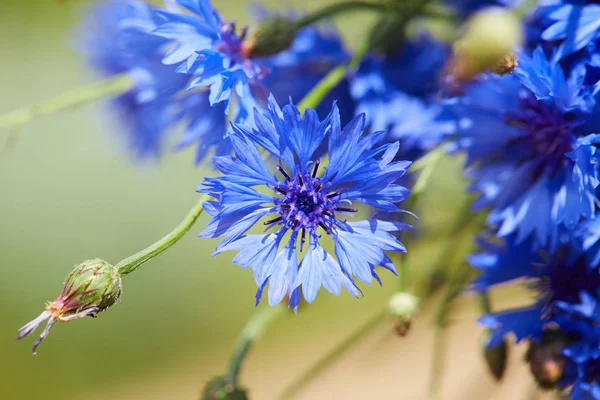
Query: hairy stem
point(254, 328)
point(133, 262)
point(111, 86)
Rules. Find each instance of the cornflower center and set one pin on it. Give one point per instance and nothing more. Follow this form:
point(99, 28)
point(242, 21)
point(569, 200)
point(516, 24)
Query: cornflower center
point(546, 134)
point(565, 282)
point(230, 42)
point(307, 203)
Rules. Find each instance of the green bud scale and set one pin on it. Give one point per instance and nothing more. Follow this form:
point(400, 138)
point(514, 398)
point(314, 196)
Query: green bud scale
point(274, 35)
point(90, 288)
point(220, 389)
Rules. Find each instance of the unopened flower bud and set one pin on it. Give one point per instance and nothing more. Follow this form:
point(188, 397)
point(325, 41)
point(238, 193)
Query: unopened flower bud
point(220, 389)
point(496, 357)
point(546, 361)
point(491, 36)
point(274, 35)
point(403, 307)
point(90, 288)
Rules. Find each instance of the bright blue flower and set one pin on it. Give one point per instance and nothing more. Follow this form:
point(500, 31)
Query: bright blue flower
point(566, 313)
point(116, 37)
point(306, 202)
point(530, 144)
point(576, 24)
point(209, 49)
point(396, 92)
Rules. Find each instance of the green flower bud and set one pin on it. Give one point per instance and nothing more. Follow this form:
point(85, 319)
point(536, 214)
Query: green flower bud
point(495, 357)
point(403, 307)
point(545, 358)
point(220, 389)
point(90, 288)
point(490, 36)
point(274, 34)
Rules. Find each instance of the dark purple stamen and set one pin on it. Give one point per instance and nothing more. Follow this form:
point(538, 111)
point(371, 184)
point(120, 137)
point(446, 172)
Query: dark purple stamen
point(280, 169)
point(280, 190)
point(344, 209)
point(316, 168)
point(273, 221)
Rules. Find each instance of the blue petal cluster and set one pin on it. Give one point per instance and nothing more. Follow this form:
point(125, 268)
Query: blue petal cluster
point(530, 145)
point(211, 50)
point(575, 25)
point(116, 38)
point(397, 92)
point(306, 203)
point(562, 325)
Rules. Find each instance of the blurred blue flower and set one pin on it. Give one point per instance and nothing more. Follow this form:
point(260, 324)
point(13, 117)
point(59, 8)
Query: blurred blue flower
point(396, 92)
point(576, 24)
point(306, 201)
point(565, 316)
point(116, 38)
point(294, 72)
point(530, 144)
point(209, 49)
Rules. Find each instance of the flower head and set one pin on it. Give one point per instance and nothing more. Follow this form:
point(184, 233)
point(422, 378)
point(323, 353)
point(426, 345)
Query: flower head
point(529, 140)
point(562, 324)
point(307, 203)
point(208, 48)
point(116, 38)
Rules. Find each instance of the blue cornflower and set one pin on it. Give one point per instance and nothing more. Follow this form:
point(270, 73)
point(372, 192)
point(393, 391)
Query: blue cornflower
point(530, 144)
point(210, 49)
point(396, 92)
point(116, 37)
point(576, 24)
point(562, 325)
point(306, 202)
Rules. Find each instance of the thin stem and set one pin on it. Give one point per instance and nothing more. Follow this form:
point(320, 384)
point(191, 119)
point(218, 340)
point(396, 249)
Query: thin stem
point(133, 262)
point(338, 8)
point(485, 303)
point(299, 383)
point(114, 85)
point(254, 328)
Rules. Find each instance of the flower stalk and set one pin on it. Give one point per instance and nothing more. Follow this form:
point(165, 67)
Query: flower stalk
point(82, 95)
point(255, 327)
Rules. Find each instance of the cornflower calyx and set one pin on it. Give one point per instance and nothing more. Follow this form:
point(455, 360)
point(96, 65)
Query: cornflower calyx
point(90, 288)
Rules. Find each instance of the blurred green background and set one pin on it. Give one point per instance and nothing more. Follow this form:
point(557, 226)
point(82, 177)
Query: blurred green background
point(70, 192)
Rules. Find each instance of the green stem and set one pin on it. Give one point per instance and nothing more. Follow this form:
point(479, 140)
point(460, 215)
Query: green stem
point(299, 383)
point(112, 86)
point(254, 328)
point(333, 78)
point(339, 8)
point(133, 262)
point(485, 303)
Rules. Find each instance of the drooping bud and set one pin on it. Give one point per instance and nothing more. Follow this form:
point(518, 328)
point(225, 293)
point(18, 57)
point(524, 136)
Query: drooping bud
point(220, 389)
point(490, 37)
point(403, 307)
point(545, 358)
point(90, 288)
point(496, 357)
point(274, 35)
